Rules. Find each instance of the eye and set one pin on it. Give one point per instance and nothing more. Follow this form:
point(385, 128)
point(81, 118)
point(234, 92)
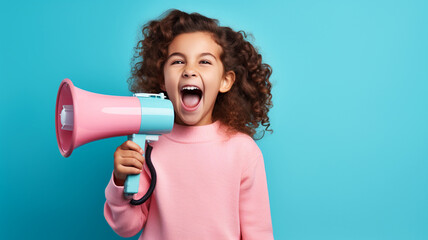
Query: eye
point(205, 62)
point(177, 62)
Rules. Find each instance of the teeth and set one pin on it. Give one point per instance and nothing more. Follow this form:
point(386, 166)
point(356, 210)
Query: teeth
point(190, 88)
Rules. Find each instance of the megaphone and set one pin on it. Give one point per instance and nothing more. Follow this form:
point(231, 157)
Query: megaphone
point(82, 117)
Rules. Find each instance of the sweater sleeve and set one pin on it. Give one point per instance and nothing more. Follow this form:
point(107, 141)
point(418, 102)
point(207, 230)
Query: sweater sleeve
point(125, 219)
point(254, 206)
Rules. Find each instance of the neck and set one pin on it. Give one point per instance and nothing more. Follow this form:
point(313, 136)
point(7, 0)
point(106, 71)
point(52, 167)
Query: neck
point(200, 133)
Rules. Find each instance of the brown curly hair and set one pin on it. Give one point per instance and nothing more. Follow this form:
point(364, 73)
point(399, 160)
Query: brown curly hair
point(246, 105)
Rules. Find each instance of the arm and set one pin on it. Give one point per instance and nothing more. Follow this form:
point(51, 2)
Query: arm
point(125, 219)
point(254, 207)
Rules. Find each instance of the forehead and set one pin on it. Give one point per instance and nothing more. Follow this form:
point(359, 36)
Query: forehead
point(194, 43)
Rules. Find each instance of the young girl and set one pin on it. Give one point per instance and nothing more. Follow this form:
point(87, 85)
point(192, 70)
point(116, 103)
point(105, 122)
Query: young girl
point(211, 177)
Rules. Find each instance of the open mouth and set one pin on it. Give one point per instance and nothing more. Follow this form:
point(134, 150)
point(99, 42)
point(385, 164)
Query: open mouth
point(191, 96)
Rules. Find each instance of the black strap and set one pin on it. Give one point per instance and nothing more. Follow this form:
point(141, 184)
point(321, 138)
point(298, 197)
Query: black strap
point(153, 175)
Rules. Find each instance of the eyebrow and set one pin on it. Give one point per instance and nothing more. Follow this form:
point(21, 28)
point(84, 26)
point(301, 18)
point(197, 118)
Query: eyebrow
point(183, 56)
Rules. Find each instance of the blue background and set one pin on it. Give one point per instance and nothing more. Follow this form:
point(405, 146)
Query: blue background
point(348, 158)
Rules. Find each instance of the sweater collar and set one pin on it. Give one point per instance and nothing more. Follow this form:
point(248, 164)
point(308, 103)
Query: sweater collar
point(192, 134)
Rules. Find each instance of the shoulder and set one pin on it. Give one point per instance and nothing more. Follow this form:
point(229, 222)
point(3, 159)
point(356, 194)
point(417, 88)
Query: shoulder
point(242, 139)
point(245, 152)
point(244, 145)
point(237, 139)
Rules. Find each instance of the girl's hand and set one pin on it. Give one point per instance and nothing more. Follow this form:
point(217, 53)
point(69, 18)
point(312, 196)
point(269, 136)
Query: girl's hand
point(128, 159)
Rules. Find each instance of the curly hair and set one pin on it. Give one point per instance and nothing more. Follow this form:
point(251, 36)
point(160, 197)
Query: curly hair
point(246, 105)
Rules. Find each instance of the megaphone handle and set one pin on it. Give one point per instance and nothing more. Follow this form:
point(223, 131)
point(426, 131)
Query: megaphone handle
point(132, 181)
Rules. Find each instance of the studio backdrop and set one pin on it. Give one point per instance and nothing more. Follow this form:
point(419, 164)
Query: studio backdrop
point(348, 156)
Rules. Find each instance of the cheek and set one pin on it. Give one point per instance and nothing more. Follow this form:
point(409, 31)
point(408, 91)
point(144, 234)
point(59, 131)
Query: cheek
point(171, 86)
point(168, 80)
point(211, 92)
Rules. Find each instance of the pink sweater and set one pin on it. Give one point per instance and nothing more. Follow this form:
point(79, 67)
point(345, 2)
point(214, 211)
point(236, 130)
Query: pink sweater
point(210, 186)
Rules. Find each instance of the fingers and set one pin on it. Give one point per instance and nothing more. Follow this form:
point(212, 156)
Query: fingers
point(130, 145)
point(129, 169)
point(128, 159)
point(121, 172)
point(132, 154)
point(132, 162)
point(126, 166)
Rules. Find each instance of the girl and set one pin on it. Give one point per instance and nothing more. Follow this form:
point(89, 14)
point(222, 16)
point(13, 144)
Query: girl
point(211, 177)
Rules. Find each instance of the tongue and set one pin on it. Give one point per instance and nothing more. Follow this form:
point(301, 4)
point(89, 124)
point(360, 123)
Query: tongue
point(190, 100)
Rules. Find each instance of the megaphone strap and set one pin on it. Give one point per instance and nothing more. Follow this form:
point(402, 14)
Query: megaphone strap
point(153, 181)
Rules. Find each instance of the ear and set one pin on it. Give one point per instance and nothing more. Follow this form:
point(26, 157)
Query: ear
point(227, 82)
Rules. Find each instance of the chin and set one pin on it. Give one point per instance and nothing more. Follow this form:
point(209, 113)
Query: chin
point(194, 120)
point(190, 122)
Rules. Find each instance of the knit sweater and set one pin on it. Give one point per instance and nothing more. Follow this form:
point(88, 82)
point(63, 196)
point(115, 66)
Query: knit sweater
point(210, 185)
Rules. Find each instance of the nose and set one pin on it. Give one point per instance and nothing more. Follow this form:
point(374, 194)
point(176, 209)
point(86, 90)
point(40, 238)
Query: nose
point(188, 72)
